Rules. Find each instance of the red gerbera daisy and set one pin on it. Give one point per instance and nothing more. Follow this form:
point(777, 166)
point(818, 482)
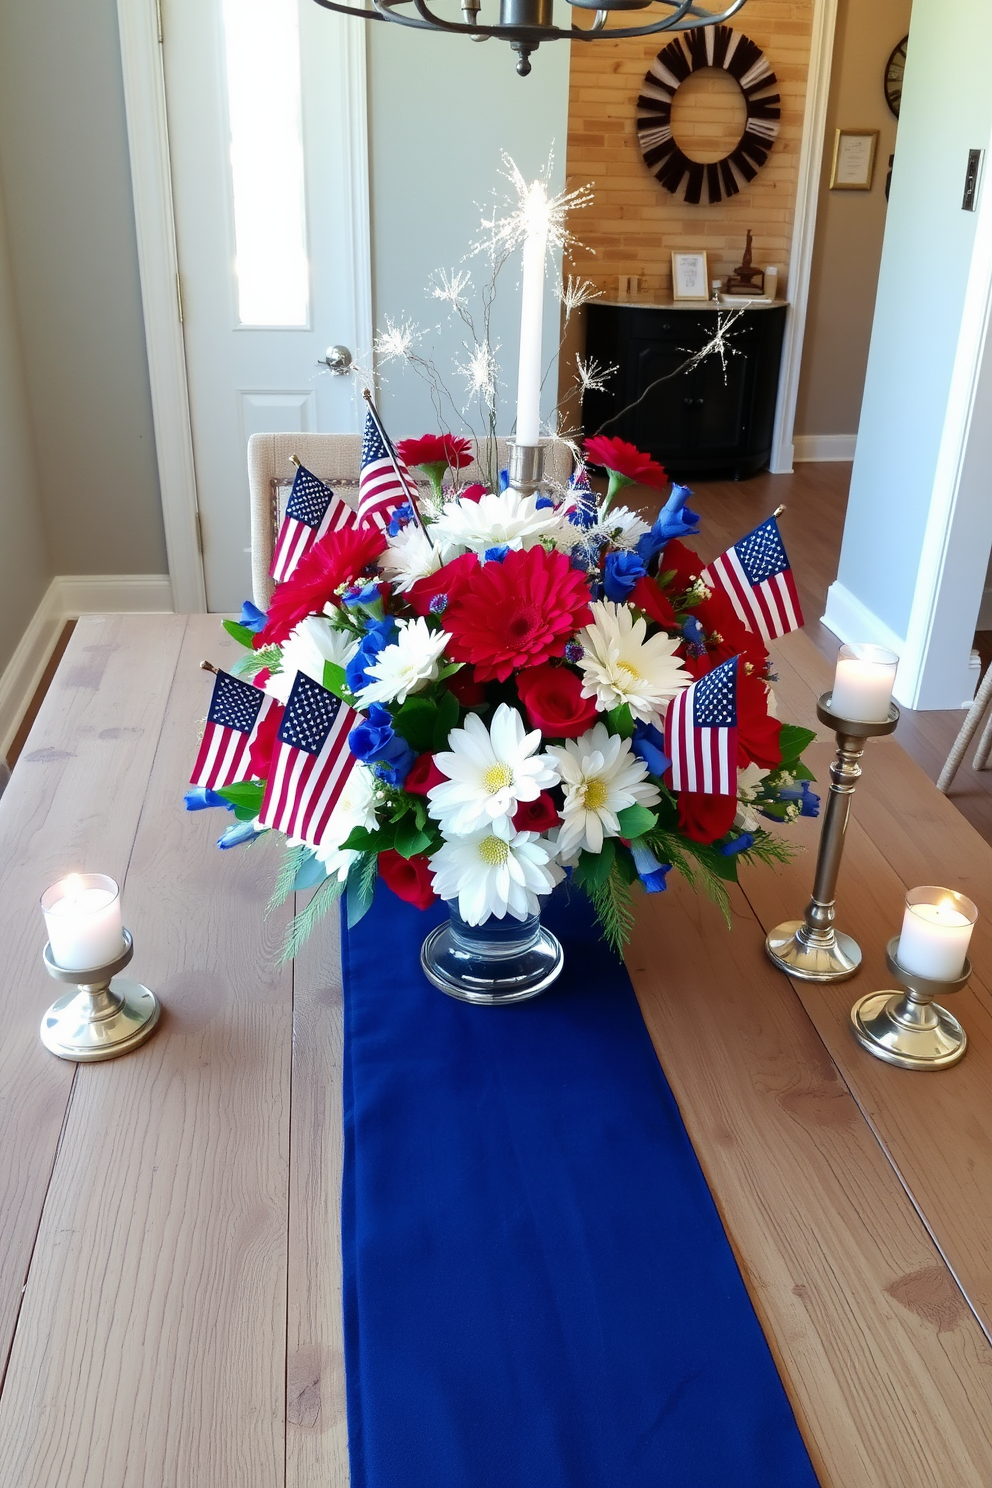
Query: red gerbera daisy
point(517, 613)
point(335, 560)
point(625, 462)
point(449, 581)
point(436, 453)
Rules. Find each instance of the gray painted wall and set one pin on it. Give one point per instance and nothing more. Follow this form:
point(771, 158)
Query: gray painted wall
point(66, 183)
point(440, 111)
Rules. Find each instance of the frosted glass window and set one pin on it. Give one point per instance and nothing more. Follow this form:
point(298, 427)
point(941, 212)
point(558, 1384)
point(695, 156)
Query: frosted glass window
point(262, 44)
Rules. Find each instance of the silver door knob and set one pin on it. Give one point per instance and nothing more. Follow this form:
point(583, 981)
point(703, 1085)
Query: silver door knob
point(336, 359)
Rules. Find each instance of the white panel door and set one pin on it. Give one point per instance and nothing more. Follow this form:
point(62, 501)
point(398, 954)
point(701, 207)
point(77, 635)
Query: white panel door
point(268, 145)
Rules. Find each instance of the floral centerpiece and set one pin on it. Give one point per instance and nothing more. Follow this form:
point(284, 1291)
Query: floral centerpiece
point(502, 673)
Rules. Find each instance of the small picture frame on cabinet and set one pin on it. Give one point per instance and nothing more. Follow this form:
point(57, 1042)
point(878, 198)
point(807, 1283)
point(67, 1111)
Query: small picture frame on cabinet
point(690, 275)
point(853, 164)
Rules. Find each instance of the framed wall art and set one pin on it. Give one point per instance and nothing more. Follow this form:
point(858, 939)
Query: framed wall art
point(854, 159)
point(690, 275)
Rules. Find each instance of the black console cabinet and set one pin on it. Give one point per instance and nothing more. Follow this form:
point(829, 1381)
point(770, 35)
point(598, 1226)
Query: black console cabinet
point(713, 423)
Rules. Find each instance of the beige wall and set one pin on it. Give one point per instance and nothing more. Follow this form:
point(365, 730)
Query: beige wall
point(24, 563)
point(66, 182)
point(850, 224)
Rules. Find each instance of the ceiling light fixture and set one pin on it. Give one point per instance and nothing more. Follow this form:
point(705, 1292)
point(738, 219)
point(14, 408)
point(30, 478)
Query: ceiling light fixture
point(526, 23)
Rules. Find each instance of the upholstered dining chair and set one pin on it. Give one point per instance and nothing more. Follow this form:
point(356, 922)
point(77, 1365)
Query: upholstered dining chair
point(335, 458)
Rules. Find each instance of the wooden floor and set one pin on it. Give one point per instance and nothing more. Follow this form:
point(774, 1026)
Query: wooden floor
point(815, 497)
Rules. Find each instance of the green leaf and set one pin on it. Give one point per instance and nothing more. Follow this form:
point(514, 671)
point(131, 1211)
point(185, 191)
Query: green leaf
point(240, 633)
point(246, 798)
point(793, 740)
point(359, 839)
point(620, 721)
point(410, 840)
point(664, 579)
point(635, 821)
point(255, 661)
point(447, 718)
point(449, 669)
point(415, 721)
point(419, 810)
point(624, 866)
point(334, 682)
point(594, 868)
point(361, 887)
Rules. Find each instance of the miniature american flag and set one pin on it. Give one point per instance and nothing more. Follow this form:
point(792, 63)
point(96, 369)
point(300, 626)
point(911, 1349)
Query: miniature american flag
point(384, 481)
point(312, 511)
point(701, 734)
point(310, 764)
point(756, 577)
point(236, 712)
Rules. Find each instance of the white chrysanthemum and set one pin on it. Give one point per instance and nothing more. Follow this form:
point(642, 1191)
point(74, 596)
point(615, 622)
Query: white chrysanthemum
point(622, 527)
point(490, 771)
point(506, 519)
point(406, 664)
point(314, 641)
point(495, 872)
point(601, 776)
point(355, 808)
point(749, 781)
point(410, 556)
point(621, 666)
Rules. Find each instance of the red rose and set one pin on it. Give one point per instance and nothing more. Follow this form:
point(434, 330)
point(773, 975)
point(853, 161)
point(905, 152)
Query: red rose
point(625, 461)
point(516, 613)
point(705, 818)
point(449, 580)
point(339, 557)
point(553, 701)
point(472, 492)
point(536, 816)
point(264, 742)
point(409, 878)
point(683, 562)
point(648, 597)
point(443, 450)
point(423, 774)
point(466, 689)
point(758, 734)
point(719, 619)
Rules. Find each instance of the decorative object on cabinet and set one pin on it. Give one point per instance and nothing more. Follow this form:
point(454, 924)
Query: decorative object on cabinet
point(690, 275)
point(853, 164)
point(712, 421)
point(894, 70)
point(746, 280)
point(738, 55)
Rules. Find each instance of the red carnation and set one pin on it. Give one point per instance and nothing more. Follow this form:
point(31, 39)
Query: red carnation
point(264, 742)
point(472, 492)
point(758, 734)
point(423, 774)
point(449, 580)
point(517, 613)
point(537, 816)
point(646, 596)
point(681, 561)
point(552, 698)
point(705, 818)
point(409, 878)
point(466, 689)
point(337, 559)
point(625, 462)
point(443, 450)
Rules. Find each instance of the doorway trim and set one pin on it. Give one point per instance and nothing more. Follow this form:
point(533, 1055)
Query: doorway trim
point(821, 58)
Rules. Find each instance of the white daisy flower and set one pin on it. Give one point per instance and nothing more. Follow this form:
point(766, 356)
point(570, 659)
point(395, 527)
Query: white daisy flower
point(601, 776)
point(489, 772)
point(621, 666)
point(495, 872)
point(622, 527)
point(507, 519)
point(355, 808)
point(314, 641)
point(410, 556)
point(749, 781)
point(406, 664)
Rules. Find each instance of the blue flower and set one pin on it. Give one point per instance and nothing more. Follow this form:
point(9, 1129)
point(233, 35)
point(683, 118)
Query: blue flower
point(401, 515)
point(743, 843)
point(648, 744)
point(240, 832)
point(252, 618)
point(378, 633)
point(496, 554)
point(652, 874)
point(375, 742)
point(200, 797)
point(542, 502)
point(504, 479)
point(583, 514)
point(695, 636)
point(438, 604)
point(674, 520)
point(362, 598)
point(574, 651)
point(621, 574)
point(809, 801)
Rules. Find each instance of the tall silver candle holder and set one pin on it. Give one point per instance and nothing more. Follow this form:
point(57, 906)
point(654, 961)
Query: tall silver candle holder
point(910, 1028)
point(526, 466)
point(812, 948)
point(103, 1016)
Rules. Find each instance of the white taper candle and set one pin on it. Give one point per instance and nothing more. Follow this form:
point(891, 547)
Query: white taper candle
point(532, 317)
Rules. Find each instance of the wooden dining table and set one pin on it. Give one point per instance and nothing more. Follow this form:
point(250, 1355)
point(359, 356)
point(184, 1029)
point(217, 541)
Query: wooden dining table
point(170, 1275)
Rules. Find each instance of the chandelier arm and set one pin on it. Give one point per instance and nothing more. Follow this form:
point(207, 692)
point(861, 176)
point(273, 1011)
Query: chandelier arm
point(428, 21)
point(385, 10)
point(671, 24)
point(349, 10)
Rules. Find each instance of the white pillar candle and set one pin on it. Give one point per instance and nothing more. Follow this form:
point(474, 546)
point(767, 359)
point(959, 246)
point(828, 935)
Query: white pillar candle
point(863, 683)
point(532, 317)
point(936, 931)
point(83, 919)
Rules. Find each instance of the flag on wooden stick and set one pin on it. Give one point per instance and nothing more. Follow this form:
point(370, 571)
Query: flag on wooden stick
point(701, 734)
point(757, 579)
point(312, 511)
point(310, 764)
point(237, 711)
point(384, 481)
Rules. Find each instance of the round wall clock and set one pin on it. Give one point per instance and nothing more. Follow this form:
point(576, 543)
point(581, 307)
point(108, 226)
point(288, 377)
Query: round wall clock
point(716, 46)
point(894, 69)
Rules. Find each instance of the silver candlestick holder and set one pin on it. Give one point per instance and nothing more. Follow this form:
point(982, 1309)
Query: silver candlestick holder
point(910, 1028)
point(104, 1016)
point(526, 466)
point(812, 948)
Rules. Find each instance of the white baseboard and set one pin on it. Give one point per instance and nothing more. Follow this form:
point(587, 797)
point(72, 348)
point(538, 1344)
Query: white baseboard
point(810, 447)
point(67, 597)
point(852, 621)
point(985, 612)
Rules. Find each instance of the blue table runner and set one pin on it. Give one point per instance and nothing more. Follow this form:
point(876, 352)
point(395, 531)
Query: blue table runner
point(538, 1290)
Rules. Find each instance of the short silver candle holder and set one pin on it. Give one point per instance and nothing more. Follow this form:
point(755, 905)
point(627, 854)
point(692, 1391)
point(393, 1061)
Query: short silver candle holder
point(104, 1016)
point(812, 948)
point(909, 1028)
point(525, 466)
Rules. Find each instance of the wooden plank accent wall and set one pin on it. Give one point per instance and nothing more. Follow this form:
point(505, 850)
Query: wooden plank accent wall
point(634, 222)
